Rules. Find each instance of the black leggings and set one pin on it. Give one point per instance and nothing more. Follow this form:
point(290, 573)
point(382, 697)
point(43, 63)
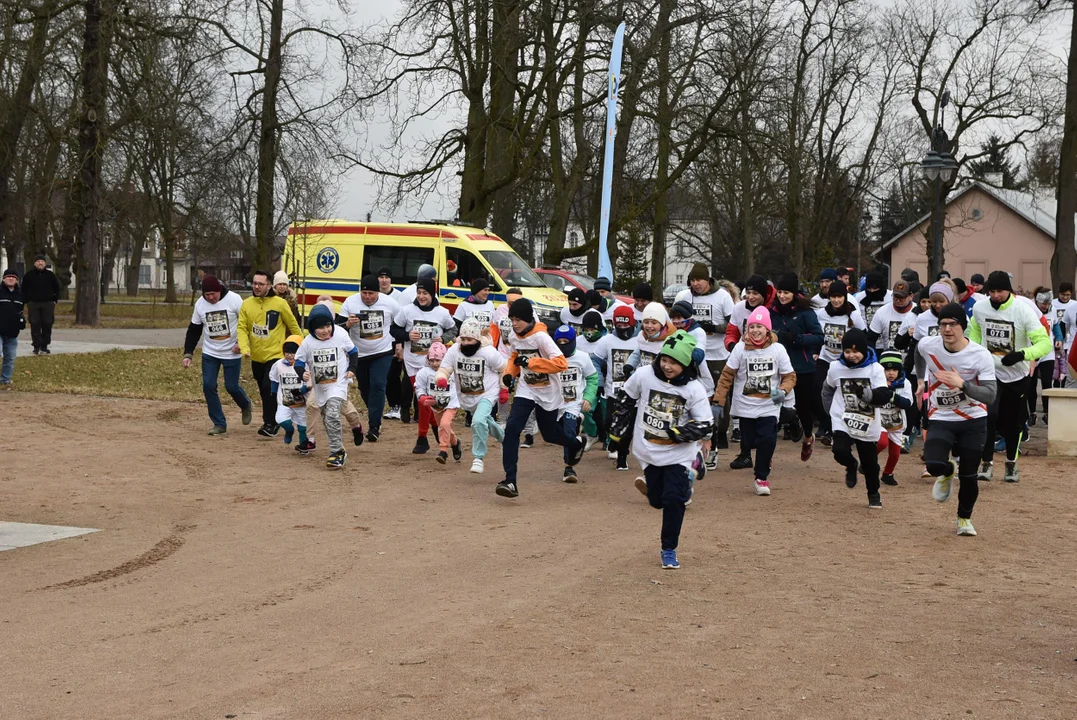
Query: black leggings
point(806, 401)
point(1008, 413)
point(869, 458)
point(964, 439)
point(1045, 371)
point(822, 367)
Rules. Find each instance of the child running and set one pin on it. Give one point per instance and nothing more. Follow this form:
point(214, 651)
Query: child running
point(477, 367)
point(291, 394)
point(438, 395)
point(761, 376)
point(854, 390)
point(579, 388)
point(673, 417)
point(612, 353)
point(892, 415)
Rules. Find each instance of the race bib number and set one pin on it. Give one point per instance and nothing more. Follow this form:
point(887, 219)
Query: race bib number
point(858, 426)
point(441, 397)
point(618, 360)
point(998, 336)
point(427, 332)
point(533, 379)
point(371, 324)
point(483, 316)
point(661, 412)
point(892, 418)
point(948, 398)
point(759, 374)
point(832, 335)
point(570, 384)
point(291, 390)
point(469, 375)
point(703, 312)
point(217, 325)
point(324, 368)
point(260, 331)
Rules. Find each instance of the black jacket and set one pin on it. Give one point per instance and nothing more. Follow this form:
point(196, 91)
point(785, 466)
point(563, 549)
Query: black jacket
point(11, 318)
point(40, 286)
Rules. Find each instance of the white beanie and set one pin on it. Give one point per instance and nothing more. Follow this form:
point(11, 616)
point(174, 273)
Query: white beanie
point(656, 311)
point(471, 328)
point(280, 277)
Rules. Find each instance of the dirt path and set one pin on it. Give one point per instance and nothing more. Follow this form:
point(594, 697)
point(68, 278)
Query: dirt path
point(234, 578)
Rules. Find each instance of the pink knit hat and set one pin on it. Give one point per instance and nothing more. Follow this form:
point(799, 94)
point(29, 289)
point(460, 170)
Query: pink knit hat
point(436, 351)
point(760, 316)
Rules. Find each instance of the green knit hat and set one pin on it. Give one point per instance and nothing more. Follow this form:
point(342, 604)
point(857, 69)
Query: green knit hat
point(679, 346)
point(699, 272)
point(891, 359)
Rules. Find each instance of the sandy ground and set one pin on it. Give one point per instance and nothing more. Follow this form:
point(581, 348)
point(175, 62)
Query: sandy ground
point(234, 578)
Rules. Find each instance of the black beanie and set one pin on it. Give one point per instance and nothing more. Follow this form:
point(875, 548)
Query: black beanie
point(575, 295)
point(603, 284)
point(953, 311)
point(370, 283)
point(874, 280)
point(427, 284)
point(758, 283)
point(999, 280)
point(643, 292)
point(837, 288)
point(479, 284)
point(522, 310)
point(593, 298)
point(788, 282)
point(592, 320)
point(855, 339)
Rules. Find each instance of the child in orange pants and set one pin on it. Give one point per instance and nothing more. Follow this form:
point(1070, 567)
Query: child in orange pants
point(439, 395)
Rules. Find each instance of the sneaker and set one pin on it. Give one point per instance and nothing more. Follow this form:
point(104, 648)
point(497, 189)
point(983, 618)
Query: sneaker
point(906, 444)
point(36, 351)
point(1000, 446)
point(669, 560)
point(46, 351)
point(393, 414)
point(247, 415)
point(288, 434)
point(443, 457)
point(589, 442)
point(218, 430)
point(569, 475)
point(875, 501)
point(796, 432)
point(306, 448)
point(422, 446)
point(943, 487)
point(735, 435)
point(336, 460)
point(611, 455)
point(622, 464)
point(373, 434)
point(1011, 472)
point(357, 435)
point(987, 470)
point(720, 443)
point(467, 420)
point(405, 414)
point(741, 462)
point(850, 476)
point(1024, 433)
point(529, 441)
point(1032, 419)
point(477, 466)
point(826, 439)
point(264, 431)
point(925, 474)
point(1045, 419)
point(889, 479)
point(712, 459)
point(787, 432)
point(578, 455)
point(506, 489)
point(641, 485)
point(964, 527)
point(457, 451)
point(762, 487)
point(806, 449)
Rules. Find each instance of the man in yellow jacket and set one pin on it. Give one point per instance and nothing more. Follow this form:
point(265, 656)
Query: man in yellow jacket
point(265, 320)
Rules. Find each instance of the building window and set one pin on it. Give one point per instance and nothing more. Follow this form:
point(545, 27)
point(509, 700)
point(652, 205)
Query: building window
point(235, 254)
point(680, 279)
point(144, 275)
point(573, 239)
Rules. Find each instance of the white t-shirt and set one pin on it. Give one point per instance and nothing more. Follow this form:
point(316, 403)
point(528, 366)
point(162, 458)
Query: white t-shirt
point(430, 324)
point(477, 377)
point(573, 321)
point(395, 295)
point(660, 407)
point(757, 372)
point(927, 325)
point(327, 361)
point(648, 349)
point(869, 310)
point(818, 302)
point(615, 352)
point(638, 313)
point(887, 324)
point(426, 384)
point(1070, 319)
point(483, 312)
point(1058, 310)
point(289, 385)
point(574, 382)
point(371, 334)
point(704, 373)
point(219, 322)
point(834, 327)
point(542, 388)
point(891, 416)
point(407, 295)
point(716, 308)
point(1005, 330)
point(849, 413)
point(974, 364)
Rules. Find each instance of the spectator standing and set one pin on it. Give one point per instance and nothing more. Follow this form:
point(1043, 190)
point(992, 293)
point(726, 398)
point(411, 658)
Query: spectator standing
point(11, 322)
point(41, 290)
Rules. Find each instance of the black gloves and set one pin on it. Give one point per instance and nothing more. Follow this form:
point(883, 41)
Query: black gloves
point(521, 361)
point(695, 430)
point(1013, 358)
point(627, 370)
point(708, 327)
point(880, 396)
point(786, 337)
point(508, 381)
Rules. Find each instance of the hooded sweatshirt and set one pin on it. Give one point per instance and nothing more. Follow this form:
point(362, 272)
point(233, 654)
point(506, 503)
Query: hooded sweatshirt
point(11, 318)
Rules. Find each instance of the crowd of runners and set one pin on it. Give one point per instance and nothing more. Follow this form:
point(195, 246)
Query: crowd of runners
point(865, 370)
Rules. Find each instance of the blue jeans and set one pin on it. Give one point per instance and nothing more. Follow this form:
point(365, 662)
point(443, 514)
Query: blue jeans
point(549, 427)
point(210, 367)
point(10, 348)
point(373, 378)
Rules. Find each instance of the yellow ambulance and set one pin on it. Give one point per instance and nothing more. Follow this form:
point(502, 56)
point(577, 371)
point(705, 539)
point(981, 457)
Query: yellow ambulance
point(330, 257)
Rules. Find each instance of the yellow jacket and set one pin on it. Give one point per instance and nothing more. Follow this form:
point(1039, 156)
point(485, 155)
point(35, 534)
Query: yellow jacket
point(264, 323)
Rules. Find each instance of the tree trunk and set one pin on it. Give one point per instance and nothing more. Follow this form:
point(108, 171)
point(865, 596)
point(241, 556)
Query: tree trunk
point(747, 212)
point(664, 120)
point(86, 193)
point(138, 245)
point(1064, 260)
point(268, 142)
point(170, 268)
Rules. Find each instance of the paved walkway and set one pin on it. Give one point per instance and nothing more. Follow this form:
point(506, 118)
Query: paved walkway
point(88, 340)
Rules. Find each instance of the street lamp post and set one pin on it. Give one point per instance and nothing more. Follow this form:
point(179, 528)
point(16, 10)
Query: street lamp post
point(938, 166)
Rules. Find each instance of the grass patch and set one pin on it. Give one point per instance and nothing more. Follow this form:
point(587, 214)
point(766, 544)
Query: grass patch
point(155, 374)
point(142, 315)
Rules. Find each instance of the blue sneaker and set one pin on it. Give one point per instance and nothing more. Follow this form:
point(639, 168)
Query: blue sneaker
point(669, 560)
point(1000, 446)
point(288, 434)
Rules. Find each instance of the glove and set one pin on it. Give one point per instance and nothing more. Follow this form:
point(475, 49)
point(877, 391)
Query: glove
point(442, 383)
point(675, 435)
point(521, 361)
point(708, 327)
point(627, 370)
point(503, 396)
point(426, 401)
point(1013, 358)
point(776, 395)
point(690, 432)
point(786, 337)
point(508, 381)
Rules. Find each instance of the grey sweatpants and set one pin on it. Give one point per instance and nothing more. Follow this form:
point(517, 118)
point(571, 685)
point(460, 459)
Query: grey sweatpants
point(331, 420)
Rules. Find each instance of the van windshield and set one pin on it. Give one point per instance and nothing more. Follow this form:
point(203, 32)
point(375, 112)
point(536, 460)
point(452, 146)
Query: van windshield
point(512, 270)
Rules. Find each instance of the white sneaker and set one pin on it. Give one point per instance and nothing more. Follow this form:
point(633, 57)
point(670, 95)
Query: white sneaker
point(924, 474)
point(477, 466)
point(641, 485)
point(942, 488)
point(611, 455)
point(589, 442)
point(712, 461)
point(964, 527)
point(987, 471)
point(762, 487)
point(393, 414)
